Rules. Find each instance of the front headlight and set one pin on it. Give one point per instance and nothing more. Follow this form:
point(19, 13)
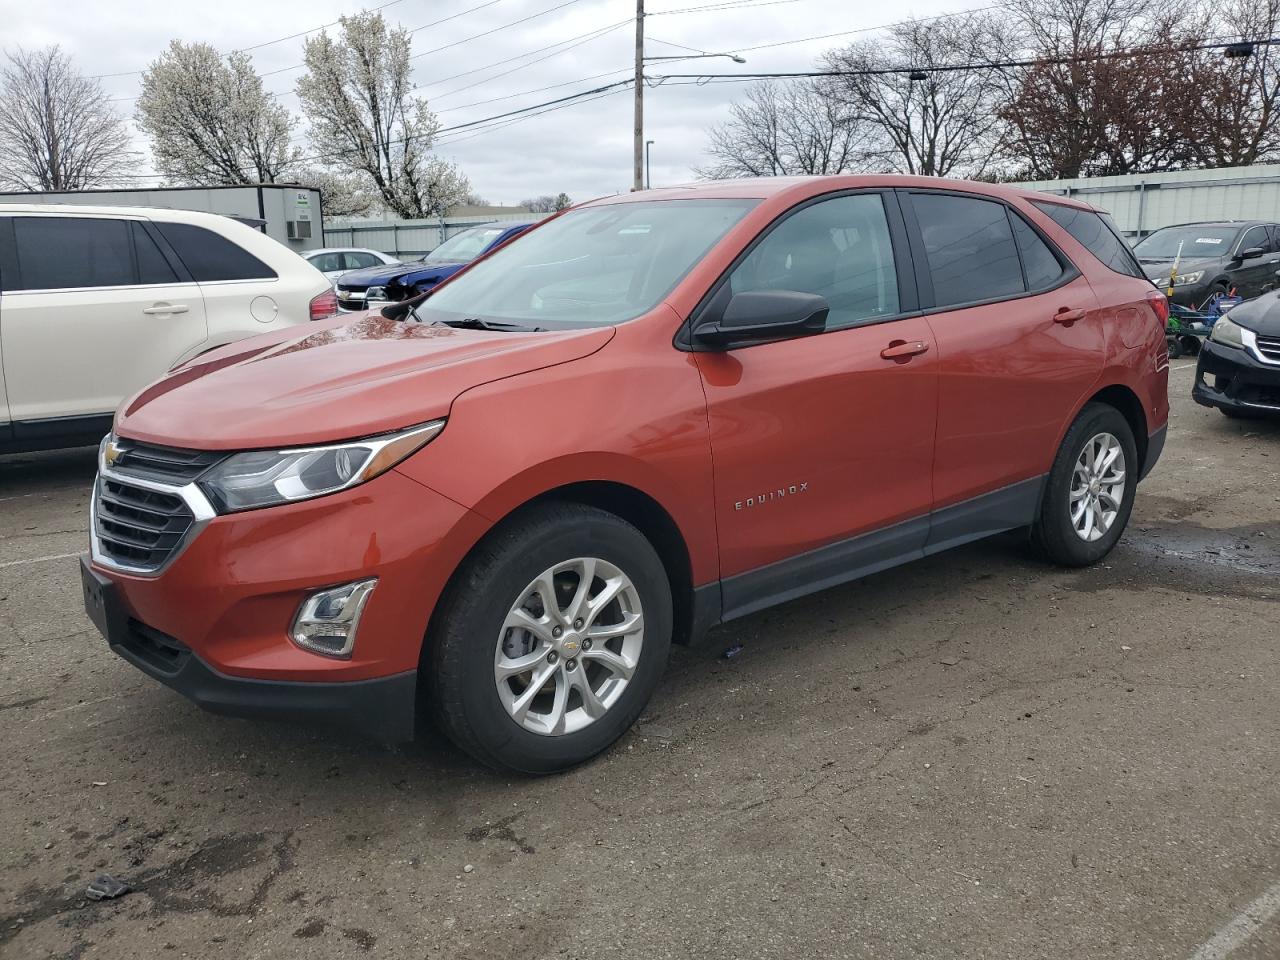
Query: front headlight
point(1186, 279)
point(1227, 333)
point(264, 478)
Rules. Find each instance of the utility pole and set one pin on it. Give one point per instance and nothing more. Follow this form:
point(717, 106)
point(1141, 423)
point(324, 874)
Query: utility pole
point(638, 144)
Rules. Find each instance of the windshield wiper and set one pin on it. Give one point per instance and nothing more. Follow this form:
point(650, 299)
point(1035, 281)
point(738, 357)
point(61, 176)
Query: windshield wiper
point(477, 323)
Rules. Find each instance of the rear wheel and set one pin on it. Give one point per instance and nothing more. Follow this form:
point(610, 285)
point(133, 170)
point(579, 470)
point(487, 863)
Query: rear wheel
point(551, 641)
point(1089, 494)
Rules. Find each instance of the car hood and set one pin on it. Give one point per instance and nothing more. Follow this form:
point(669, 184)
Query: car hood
point(377, 276)
point(1159, 269)
point(1261, 315)
point(335, 380)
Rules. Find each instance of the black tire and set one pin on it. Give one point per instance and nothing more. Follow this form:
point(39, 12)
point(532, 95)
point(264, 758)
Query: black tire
point(1215, 289)
point(1053, 533)
point(458, 662)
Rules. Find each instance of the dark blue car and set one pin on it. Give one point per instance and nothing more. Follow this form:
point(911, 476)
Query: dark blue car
point(375, 286)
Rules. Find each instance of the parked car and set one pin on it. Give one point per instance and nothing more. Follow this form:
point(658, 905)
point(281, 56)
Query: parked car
point(504, 507)
point(1239, 367)
point(333, 262)
point(378, 286)
point(95, 302)
point(1216, 258)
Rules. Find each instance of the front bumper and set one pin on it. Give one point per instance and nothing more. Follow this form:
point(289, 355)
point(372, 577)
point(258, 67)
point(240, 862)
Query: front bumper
point(381, 709)
point(1233, 379)
point(215, 621)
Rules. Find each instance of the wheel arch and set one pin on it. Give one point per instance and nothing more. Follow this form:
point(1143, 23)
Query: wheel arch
point(1124, 399)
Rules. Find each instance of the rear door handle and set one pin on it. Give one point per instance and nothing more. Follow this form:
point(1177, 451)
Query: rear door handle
point(166, 308)
point(1067, 317)
point(901, 351)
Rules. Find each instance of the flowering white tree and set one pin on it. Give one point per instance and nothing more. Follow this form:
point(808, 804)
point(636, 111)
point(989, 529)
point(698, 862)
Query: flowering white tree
point(357, 95)
point(210, 121)
point(58, 130)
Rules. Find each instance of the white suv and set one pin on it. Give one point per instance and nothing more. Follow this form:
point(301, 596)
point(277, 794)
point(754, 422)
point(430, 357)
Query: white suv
point(96, 302)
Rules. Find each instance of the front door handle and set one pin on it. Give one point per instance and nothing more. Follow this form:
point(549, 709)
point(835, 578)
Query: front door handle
point(901, 351)
point(1067, 317)
point(164, 309)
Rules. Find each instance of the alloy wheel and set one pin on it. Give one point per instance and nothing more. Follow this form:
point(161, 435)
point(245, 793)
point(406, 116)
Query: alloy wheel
point(569, 646)
point(1097, 487)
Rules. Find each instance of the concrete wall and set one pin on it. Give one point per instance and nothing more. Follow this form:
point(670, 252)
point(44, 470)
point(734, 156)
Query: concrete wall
point(279, 203)
point(1141, 203)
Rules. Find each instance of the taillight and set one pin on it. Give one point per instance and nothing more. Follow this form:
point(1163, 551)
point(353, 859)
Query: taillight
point(324, 305)
point(1160, 304)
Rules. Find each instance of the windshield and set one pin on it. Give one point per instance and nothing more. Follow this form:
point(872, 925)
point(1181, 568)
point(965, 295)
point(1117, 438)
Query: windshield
point(594, 266)
point(1195, 241)
point(467, 245)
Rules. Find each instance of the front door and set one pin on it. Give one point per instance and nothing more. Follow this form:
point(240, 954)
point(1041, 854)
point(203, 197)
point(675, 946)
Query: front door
point(819, 440)
point(95, 312)
point(1251, 276)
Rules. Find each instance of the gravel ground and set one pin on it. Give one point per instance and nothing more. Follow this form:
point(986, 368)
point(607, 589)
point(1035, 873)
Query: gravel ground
point(975, 756)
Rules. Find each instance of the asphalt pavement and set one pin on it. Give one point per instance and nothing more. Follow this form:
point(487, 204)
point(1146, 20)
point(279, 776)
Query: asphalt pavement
point(974, 756)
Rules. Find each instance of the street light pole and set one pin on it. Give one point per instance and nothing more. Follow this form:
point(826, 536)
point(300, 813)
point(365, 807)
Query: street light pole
point(648, 180)
point(638, 142)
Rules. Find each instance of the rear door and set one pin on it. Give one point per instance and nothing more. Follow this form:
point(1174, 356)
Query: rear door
point(96, 312)
point(1019, 342)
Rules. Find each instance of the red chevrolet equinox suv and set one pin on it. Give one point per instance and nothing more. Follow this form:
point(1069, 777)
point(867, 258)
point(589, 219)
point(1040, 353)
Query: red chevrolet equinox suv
point(650, 414)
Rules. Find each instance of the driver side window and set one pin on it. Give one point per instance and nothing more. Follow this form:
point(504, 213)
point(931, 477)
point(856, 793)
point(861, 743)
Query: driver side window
point(838, 249)
point(1255, 237)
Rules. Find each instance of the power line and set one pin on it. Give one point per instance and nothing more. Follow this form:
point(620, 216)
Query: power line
point(524, 93)
point(513, 23)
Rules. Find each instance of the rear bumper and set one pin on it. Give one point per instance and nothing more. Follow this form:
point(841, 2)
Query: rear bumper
point(1231, 378)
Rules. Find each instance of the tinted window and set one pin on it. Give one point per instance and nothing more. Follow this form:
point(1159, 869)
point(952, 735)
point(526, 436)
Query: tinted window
point(1256, 237)
point(212, 257)
point(1038, 262)
point(357, 261)
point(1096, 234)
point(152, 266)
point(57, 253)
point(970, 248)
point(838, 249)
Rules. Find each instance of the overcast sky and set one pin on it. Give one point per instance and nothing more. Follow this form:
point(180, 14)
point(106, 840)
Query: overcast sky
point(584, 149)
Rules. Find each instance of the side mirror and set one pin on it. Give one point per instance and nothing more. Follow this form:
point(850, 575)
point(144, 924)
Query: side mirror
point(402, 309)
point(764, 315)
point(1250, 254)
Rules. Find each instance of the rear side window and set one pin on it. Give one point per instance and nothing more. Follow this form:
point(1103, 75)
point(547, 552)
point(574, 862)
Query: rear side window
point(152, 266)
point(1096, 234)
point(58, 253)
point(212, 257)
point(1041, 265)
point(970, 248)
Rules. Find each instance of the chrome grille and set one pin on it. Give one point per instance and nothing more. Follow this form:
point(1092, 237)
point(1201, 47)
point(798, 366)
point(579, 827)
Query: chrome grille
point(166, 464)
point(1269, 347)
point(137, 527)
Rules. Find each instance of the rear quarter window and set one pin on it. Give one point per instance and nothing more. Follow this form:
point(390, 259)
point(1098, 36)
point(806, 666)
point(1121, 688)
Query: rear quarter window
point(1096, 234)
point(210, 256)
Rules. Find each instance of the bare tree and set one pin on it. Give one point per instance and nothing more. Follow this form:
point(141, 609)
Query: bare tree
point(210, 121)
point(58, 130)
point(941, 122)
point(356, 95)
point(547, 203)
point(1116, 93)
point(786, 129)
point(1237, 112)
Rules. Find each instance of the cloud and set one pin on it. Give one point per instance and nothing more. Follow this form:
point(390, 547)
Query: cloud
point(583, 149)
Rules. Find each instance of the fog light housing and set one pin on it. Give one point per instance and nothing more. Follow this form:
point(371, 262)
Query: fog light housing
point(327, 621)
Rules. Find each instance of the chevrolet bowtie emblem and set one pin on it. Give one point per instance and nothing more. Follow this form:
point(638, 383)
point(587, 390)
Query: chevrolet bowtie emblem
point(111, 453)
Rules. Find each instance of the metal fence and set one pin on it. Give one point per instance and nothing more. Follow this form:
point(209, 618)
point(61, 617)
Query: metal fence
point(409, 238)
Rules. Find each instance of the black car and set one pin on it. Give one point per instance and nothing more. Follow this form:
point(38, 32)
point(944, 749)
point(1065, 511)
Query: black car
point(1239, 368)
point(1216, 257)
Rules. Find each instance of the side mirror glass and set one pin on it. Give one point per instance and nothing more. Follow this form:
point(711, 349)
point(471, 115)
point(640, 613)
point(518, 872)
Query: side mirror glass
point(764, 315)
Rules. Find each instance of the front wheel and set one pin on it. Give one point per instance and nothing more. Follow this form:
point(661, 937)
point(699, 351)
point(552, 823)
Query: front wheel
point(1089, 493)
point(551, 640)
